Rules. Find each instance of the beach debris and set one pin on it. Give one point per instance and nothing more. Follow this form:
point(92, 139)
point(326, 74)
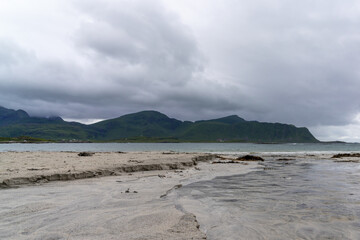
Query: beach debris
point(250, 158)
point(170, 152)
point(37, 169)
point(161, 176)
point(285, 159)
point(85, 154)
point(128, 191)
point(341, 155)
point(136, 161)
point(196, 168)
point(121, 152)
point(230, 161)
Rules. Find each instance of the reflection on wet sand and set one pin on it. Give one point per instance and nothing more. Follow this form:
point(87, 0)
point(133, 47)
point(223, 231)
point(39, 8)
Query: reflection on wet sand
point(284, 199)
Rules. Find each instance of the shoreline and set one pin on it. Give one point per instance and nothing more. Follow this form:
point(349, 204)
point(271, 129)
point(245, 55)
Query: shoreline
point(127, 205)
point(38, 167)
point(26, 168)
point(131, 205)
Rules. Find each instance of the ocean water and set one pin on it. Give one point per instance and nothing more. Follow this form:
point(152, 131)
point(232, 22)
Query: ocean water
point(183, 147)
point(295, 199)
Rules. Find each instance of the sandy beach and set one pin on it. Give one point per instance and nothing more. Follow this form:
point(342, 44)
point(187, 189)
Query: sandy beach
point(135, 195)
point(134, 201)
point(18, 168)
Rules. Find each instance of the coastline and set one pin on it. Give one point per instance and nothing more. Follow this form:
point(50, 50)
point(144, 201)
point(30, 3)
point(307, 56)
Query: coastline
point(130, 205)
point(136, 200)
point(20, 168)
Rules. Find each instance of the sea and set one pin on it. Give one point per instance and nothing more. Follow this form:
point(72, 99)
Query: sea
point(183, 147)
point(299, 198)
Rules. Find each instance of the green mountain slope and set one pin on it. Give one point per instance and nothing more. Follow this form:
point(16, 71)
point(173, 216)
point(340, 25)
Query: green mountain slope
point(9, 116)
point(151, 126)
point(19, 123)
point(142, 124)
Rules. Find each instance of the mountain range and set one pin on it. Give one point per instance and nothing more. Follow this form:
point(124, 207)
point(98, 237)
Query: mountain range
point(150, 126)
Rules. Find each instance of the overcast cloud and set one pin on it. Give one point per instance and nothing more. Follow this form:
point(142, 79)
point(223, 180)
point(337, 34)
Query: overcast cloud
point(279, 61)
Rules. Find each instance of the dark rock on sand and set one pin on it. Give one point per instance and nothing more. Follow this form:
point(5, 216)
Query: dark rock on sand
point(341, 155)
point(85, 154)
point(250, 158)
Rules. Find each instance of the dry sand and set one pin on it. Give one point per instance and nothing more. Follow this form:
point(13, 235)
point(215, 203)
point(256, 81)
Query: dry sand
point(17, 168)
point(134, 204)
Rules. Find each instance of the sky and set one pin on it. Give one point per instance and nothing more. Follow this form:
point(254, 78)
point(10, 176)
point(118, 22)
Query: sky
point(287, 61)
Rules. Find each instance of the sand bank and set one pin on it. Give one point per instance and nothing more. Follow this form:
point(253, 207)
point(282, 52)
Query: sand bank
point(137, 205)
point(17, 168)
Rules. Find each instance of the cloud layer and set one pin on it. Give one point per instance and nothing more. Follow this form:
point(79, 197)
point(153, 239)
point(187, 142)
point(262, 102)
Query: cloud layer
point(285, 61)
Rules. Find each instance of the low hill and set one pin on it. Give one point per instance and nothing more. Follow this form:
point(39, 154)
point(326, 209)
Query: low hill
point(151, 126)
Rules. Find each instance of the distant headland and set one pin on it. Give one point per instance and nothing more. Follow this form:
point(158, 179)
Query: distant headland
point(147, 126)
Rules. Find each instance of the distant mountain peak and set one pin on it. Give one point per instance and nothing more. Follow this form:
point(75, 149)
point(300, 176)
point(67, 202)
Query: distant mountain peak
point(147, 114)
point(232, 119)
point(55, 118)
point(10, 115)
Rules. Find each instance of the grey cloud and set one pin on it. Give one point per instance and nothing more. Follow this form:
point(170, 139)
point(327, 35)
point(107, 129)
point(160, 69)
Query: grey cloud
point(142, 37)
point(299, 58)
point(285, 61)
point(133, 58)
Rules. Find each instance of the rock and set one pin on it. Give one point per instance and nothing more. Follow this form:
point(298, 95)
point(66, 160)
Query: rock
point(341, 155)
point(85, 154)
point(228, 161)
point(250, 158)
point(171, 152)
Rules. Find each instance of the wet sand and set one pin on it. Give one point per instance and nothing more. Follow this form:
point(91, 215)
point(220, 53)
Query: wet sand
point(133, 204)
point(288, 196)
point(123, 196)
